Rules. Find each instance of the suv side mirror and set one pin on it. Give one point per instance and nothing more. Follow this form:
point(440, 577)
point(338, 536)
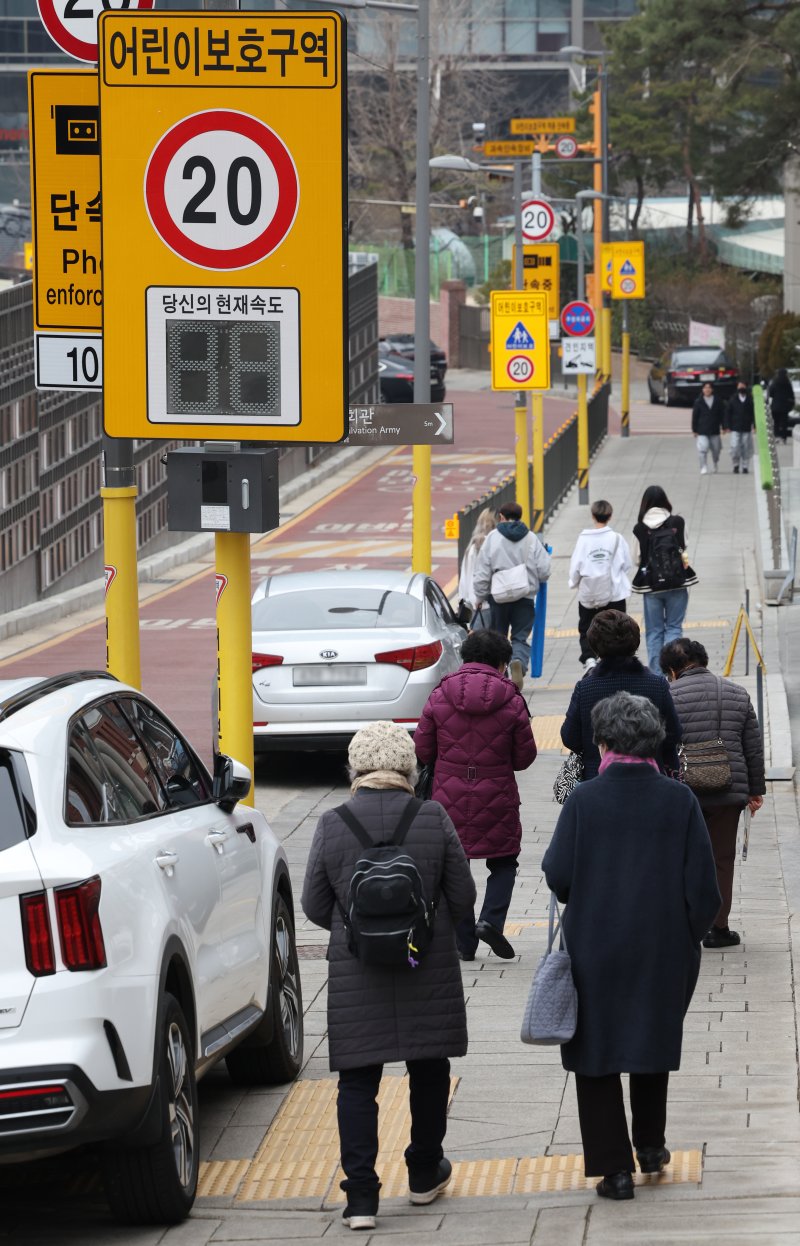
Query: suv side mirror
point(232, 782)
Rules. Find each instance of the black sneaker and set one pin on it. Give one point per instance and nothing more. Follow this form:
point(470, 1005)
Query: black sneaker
point(619, 1185)
point(496, 939)
point(361, 1211)
point(721, 936)
point(652, 1158)
point(736, 470)
point(423, 1188)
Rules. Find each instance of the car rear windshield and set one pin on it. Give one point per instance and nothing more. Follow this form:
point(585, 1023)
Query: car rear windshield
point(330, 609)
point(696, 359)
point(15, 819)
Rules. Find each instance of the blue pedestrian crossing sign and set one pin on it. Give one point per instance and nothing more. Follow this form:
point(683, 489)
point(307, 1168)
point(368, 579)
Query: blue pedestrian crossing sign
point(627, 269)
point(519, 338)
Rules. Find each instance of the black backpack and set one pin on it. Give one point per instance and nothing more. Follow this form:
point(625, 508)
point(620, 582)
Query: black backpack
point(388, 919)
point(665, 569)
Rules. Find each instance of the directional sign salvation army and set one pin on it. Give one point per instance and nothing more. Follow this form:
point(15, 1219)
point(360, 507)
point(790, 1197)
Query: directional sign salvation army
point(224, 239)
point(72, 24)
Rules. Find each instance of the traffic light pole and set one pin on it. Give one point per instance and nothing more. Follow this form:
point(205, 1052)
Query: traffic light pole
point(521, 400)
point(121, 572)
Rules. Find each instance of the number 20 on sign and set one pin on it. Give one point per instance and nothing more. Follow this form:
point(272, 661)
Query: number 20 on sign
point(223, 225)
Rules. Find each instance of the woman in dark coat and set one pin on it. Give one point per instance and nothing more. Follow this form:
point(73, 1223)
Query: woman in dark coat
point(477, 730)
point(694, 690)
point(378, 1015)
point(614, 637)
point(781, 402)
point(631, 858)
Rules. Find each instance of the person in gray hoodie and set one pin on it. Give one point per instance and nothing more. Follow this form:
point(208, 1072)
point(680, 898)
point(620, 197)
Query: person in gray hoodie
point(664, 573)
point(512, 545)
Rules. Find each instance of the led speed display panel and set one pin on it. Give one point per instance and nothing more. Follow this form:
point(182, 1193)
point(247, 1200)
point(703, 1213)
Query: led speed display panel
point(223, 369)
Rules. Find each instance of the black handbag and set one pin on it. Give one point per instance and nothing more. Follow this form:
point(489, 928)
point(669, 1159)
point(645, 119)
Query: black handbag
point(424, 786)
point(705, 766)
point(464, 613)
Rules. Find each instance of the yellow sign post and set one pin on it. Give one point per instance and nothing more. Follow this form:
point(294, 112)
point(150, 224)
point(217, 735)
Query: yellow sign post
point(66, 211)
point(224, 225)
point(541, 272)
point(627, 269)
point(520, 344)
point(542, 125)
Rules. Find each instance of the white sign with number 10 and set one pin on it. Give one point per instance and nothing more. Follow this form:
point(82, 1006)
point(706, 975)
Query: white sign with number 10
point(538, 220)
point(69, 361)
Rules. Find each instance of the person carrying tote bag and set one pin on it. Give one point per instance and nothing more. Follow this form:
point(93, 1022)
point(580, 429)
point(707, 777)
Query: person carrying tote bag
point(707, 704)
point(551, 1013)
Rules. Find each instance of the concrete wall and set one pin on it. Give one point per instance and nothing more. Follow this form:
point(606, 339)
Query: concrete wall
point(397, 316)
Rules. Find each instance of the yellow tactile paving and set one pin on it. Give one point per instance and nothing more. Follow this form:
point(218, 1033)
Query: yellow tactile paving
point(546, 730)
point(567, 633)
point(471, 1179)
point(544, 1174)
point(220, 1178)
point(516, 928)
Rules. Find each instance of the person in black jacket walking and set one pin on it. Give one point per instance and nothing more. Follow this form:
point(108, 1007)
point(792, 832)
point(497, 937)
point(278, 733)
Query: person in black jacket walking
point(740, 419)
point(781, 402)
point(381, 1014)
point(708, 419)
point(614, 637)
point(630, 857)
point(712, 708)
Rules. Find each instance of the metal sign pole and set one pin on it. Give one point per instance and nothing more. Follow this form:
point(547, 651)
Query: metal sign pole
point(537, 399)
point(520, 401)
point(421, 455)
point(583, 409)
point(119, 547)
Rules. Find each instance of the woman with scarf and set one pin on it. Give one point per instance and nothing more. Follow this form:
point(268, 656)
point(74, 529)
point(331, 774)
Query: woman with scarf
point(379, 1015)
point(640, 893)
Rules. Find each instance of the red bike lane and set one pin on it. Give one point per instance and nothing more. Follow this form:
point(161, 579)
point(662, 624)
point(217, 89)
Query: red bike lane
point(364, 523)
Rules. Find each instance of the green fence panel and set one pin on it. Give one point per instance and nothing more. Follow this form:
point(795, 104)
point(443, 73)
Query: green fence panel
point(762, 439)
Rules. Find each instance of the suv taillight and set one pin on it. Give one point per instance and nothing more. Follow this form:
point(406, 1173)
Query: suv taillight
point(36, 934)
point(82, 944)
point(413, 659)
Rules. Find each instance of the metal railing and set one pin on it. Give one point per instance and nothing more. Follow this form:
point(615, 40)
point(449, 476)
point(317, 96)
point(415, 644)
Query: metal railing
point(560, 469)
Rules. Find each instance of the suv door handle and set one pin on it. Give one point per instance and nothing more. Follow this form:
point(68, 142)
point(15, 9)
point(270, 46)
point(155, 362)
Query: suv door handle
point(217, 837)
point(167, 861)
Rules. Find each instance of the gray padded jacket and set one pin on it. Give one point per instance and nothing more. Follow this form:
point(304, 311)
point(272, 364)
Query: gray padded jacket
point(695, 696)
point(378, 1015)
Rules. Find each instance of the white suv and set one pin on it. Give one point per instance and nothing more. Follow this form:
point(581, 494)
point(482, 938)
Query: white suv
point(147, 931)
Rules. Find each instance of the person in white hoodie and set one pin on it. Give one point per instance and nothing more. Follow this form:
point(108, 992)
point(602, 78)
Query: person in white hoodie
point(664, 573)
point(599, 570)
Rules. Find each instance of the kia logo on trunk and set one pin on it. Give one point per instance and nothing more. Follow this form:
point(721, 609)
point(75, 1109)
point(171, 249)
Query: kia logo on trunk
point(329, 653)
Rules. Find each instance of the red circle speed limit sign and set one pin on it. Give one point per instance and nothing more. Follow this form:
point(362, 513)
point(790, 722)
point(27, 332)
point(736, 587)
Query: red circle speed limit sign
point(538, 220)
point(566, 147)
point(221, 189)
point(520, 368)
point(72, 24)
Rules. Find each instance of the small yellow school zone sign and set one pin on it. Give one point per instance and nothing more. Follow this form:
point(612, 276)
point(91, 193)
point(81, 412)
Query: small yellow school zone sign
point(627, 269)
point(520, 343)
point(224, 225)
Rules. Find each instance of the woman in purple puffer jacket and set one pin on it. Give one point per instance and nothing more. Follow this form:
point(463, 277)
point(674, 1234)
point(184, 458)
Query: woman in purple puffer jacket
point(476, 729)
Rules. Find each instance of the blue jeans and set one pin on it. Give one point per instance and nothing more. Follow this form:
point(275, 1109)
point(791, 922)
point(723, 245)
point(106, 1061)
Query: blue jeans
point(663, 621)
point(518, 616)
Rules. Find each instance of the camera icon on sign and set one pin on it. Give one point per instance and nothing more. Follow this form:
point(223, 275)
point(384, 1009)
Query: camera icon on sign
point(77, 129)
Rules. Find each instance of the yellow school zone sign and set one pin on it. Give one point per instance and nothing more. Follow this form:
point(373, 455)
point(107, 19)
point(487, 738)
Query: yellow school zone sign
point(627, 269)
point(520, 343)
point(224, 225)
point(541, 272)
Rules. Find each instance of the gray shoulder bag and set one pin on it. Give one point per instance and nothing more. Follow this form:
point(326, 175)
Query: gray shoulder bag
point(551, 1013)
point(705, 766)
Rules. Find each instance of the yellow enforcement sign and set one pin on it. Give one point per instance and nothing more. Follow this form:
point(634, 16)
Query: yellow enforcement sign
point(542, 125)
point(541, 271)
point(606, 260)
point(520, 343)
point(224, 225)
point(510, 147)
point(627, 270)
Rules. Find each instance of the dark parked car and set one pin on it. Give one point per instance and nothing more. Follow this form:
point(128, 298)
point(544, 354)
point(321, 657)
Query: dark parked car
point(403, 344)
point(680, 374)
point(396, 379)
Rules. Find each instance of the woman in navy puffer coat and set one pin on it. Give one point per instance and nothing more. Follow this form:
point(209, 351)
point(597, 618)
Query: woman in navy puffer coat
point(476, 729)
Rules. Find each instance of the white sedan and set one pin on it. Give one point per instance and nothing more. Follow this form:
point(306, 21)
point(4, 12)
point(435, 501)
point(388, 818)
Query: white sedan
point(333, 650)
point(147, 927)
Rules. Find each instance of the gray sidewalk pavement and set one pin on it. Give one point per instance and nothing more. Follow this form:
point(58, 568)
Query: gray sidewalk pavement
point(733, 1109)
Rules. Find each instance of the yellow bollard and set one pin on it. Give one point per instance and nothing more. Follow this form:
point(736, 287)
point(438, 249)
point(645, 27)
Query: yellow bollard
point(521, 456)
point(235, 650)
point(537, 455)
point(583, 442)
point(421, 510)
point(607, 343)
point(122, 584)
point(625, 429)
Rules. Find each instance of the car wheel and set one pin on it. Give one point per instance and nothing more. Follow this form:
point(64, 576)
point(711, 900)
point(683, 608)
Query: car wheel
point(274, 1052)
point(669, 401)
point(157, 1184)
point(653, 394)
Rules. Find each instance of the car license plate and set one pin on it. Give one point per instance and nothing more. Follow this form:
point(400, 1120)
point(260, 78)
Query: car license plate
point(325, 676)
point(708, 376)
